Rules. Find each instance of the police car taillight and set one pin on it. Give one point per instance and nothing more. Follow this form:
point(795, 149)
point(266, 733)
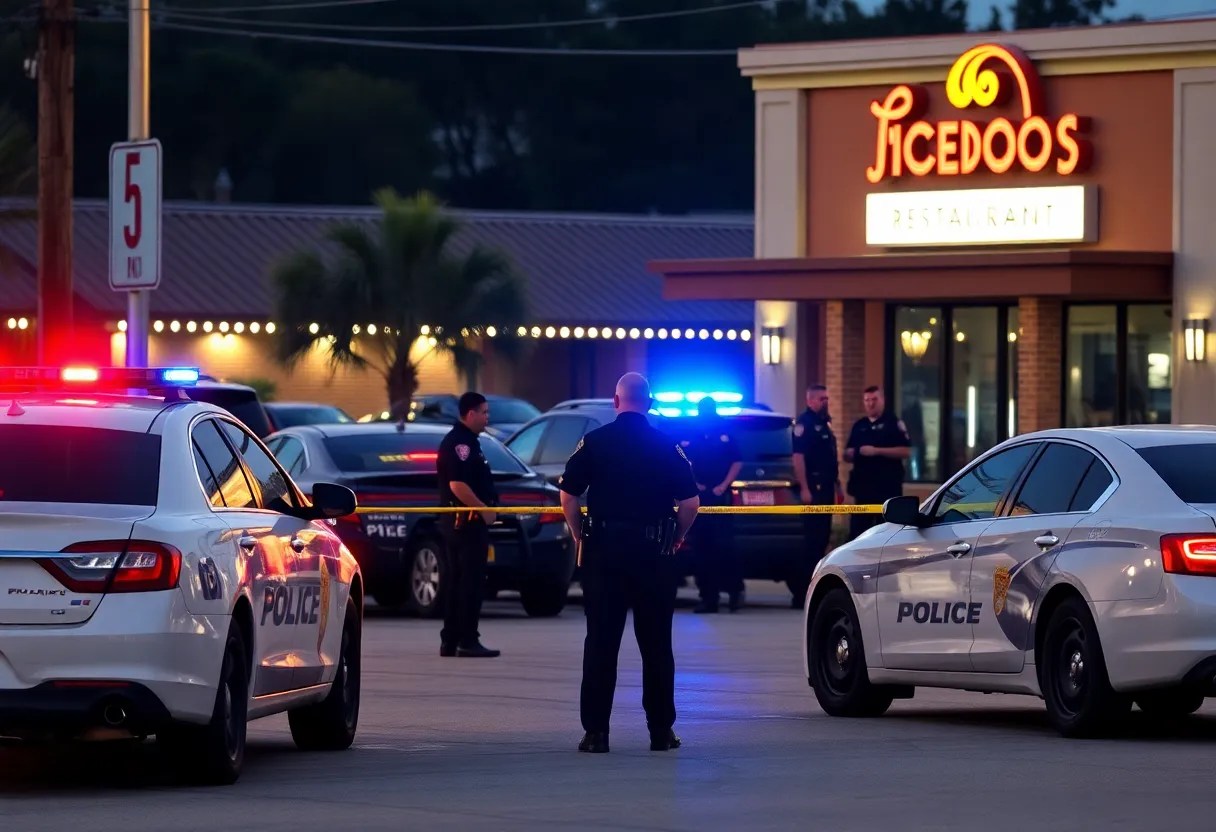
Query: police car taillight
point(104, 566)
point(1188, 554)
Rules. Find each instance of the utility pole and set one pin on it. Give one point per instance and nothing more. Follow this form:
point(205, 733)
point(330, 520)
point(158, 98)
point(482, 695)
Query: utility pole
point(56, 70)
point(138, 128)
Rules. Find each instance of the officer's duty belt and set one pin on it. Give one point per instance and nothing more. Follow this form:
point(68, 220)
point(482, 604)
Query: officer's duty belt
point(649, 531)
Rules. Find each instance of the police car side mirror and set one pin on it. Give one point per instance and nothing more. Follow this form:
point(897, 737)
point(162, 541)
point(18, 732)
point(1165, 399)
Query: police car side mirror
point(904, 511)
point(329, 500)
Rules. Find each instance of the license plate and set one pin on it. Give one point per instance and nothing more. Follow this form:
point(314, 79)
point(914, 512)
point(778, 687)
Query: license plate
point(490, 555)
point(759, 498)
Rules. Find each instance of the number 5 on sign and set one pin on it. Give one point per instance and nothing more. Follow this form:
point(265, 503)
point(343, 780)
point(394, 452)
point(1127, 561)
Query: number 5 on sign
point(135, 191)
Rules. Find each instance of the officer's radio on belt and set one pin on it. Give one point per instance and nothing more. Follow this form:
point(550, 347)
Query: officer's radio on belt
point(663, 534)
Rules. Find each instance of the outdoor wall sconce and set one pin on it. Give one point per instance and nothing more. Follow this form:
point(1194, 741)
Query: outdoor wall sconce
point(1195, 337)
point(915, 344)
point(770, 344)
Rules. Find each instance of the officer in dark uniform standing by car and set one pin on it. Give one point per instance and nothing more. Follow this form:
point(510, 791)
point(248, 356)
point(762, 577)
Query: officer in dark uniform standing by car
point(465, 480)
point(716, 462)
point(878, 445)
point(633, 475)
point(817, 469)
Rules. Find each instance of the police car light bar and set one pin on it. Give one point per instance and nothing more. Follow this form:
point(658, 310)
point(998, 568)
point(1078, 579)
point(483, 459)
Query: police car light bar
point(96, 378)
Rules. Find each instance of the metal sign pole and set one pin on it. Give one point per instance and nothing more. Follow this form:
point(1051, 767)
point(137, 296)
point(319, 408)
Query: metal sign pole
point(139, 74)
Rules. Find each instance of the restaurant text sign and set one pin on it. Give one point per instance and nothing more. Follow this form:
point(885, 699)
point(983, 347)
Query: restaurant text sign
point(985, 76)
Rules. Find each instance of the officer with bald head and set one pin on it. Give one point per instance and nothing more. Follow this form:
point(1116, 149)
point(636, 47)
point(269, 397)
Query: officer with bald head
point(641, 502)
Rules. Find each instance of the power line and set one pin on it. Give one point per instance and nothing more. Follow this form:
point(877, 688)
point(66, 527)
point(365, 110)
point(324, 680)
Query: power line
point(432, 47)
point(291, 7)
point(209, 17)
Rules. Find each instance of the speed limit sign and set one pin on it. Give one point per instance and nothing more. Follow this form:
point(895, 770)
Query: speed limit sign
point(135, 191)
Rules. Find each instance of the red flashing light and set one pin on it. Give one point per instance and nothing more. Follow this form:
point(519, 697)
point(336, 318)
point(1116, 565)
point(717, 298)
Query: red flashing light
point(88, 374)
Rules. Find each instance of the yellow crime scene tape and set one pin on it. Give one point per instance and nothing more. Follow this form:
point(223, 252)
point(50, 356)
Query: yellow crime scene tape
point(840, 509)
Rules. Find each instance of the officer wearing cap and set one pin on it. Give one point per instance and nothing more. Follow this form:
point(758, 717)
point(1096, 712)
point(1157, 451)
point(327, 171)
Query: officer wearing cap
point(716, 462)
point(633, 475)
point(465, 480)
point(878, 445)
point(817, 470)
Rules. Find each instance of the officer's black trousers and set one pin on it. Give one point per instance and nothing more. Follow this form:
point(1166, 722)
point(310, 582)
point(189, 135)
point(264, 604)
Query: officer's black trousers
point(467, 551)
point(817, 534)
point(717, 563)
point(619, 575)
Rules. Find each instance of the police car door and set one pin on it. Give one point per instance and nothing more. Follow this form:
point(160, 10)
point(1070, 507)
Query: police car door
point(1018, 550)
point(925, 606)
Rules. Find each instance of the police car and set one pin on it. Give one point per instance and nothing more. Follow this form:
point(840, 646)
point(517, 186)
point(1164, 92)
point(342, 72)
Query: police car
point(1074, 565)
point(161, 575)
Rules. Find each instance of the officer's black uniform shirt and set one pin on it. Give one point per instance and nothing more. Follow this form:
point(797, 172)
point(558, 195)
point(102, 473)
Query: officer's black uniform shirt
point(461, 460)
point(712, 451)
point(877, 477)
point(630, 471)
point(813, 438)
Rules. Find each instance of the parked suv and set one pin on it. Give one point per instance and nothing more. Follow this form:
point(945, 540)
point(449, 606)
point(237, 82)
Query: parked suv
point(769, 544)
point(239, 400)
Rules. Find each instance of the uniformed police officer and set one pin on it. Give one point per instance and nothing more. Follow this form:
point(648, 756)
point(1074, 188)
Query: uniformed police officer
point(817, 469)
point(716, 462)
point(633, 474)
point(877, 447)
point(465, 480)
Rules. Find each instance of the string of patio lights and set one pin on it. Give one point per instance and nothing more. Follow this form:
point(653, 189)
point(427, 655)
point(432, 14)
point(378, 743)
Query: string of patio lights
point(550, 332)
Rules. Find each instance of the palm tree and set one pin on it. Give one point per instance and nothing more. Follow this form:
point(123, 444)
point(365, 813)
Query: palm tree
point(402, 276)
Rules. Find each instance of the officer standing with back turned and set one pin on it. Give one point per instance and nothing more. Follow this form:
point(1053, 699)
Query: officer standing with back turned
point(817, 469)
point(633, 475)
point(465, 480)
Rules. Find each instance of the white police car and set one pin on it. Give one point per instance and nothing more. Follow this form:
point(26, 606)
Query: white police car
point(1075, 565)
point(161, 574)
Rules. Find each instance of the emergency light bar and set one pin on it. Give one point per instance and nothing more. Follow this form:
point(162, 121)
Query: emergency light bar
point(96, 379)
point(694, 397)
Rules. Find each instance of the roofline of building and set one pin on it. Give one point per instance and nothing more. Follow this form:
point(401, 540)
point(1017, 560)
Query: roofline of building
point(1077, 50)
point(356, 212)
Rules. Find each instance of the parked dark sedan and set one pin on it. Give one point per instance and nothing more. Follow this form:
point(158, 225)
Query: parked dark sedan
point(293, 414)
point(404, 561)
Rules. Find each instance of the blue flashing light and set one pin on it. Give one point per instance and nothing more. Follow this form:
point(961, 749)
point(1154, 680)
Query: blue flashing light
point(28, 379)
point(668, 397)
point(180, 375)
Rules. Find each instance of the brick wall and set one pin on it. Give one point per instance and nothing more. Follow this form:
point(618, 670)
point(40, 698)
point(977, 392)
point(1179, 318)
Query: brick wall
point(845, 360)
point(1040, 361)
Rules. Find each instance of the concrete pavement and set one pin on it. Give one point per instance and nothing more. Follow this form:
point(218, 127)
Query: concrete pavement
point(457, 744)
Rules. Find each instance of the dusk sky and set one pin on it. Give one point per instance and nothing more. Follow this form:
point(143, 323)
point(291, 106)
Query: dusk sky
point(980, 9)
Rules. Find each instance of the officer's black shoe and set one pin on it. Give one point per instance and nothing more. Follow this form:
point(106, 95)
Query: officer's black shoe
point(736, 601)
point(447, 650)
point(664, 742)
point(477, 651)
point(705, 607)
point(594, 743)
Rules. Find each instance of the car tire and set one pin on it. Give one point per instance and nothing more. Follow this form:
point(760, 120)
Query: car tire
point(1170, 704)
point(426, 569)
point(213, 754)
point(330, 725)
point(544, 597)
point(1072, 675)
point(837, 661)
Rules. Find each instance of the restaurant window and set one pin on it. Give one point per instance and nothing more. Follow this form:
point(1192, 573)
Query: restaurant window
point(953, 382)
point(1117, 365)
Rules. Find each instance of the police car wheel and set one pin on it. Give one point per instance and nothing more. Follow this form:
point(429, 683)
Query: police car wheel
point(426, 568)
point(1170, 704)
point(331, 724)
point(838, 663)
point(214, 753)
point(1075, 685)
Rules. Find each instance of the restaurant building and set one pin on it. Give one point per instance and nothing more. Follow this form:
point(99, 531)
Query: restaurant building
point(1007, 236)
point(594, 311)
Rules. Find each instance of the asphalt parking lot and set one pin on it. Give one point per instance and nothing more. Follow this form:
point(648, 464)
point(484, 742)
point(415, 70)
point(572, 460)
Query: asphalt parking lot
point(461, 744)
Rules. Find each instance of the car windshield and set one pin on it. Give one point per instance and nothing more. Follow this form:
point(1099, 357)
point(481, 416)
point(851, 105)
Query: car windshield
point(243, 404)
point(55, 464)
point(759, 437)
point(511, 412)
point(396, 452)
point(1186, 469)
point(290, 417)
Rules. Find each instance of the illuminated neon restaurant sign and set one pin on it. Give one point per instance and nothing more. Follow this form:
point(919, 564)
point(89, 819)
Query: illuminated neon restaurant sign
point(986, 76)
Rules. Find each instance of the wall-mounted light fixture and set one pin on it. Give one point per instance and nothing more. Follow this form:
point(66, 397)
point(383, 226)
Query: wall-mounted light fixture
point(770, 344)
point(1195, 337)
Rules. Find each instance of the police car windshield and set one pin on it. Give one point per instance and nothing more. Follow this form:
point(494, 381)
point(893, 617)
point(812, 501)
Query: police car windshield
point(404, 452)
point(1186, 469)
point(758, 437)
point(54, 464)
